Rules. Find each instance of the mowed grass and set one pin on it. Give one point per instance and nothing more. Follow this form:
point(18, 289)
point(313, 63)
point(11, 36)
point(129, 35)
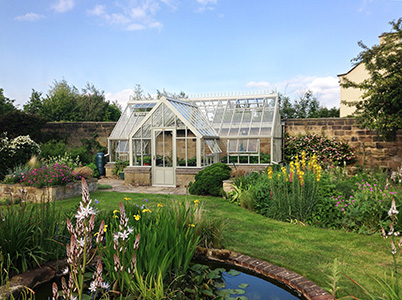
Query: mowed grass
point(305, 250)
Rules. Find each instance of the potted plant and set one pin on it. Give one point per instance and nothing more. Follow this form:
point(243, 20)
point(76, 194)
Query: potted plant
point(147, 160)
point(119, 167)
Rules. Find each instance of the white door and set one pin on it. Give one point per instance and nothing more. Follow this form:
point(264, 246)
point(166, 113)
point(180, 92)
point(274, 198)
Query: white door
point(163, 157)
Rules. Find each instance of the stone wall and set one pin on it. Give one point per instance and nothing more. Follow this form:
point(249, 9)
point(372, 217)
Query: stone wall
point(74, 132)
point(370, 149)
point(52, 193)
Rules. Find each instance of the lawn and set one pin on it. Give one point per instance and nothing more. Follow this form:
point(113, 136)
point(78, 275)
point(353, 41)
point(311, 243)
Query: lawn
point(306, 250)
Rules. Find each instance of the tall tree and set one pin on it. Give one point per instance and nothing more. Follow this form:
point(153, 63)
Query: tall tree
point(34, 104)
point(381, 107)
point(61, 103)
point(6, 104)
point(92, 104)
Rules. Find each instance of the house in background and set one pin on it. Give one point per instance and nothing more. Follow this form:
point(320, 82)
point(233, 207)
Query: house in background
point(357, 74)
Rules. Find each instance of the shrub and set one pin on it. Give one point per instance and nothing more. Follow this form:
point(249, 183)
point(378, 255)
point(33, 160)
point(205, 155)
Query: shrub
point(50, 176)
point(64, 159)
point(209, 181)
point(328, 151)
point(53, 148)
point(15, 152)
point(119, 166)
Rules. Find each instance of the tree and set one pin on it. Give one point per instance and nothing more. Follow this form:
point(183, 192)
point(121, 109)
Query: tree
point(34, 104)
point(61, 103)
point(381, 107)
point(6, 104)
point(65, 103)
point(307, 106)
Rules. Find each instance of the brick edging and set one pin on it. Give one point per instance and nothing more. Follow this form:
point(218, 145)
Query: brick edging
point(307, 288)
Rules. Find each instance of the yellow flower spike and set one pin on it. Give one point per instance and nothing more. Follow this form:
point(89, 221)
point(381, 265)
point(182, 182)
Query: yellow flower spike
point(96, 233)
point(105, 228)
point(137, 217)
point(116, 211)
point(191, 225)
point(146, 210)
point(270, 172)
point(115, 216)
point(196, 202)
point(160, 205)
point(126, 198)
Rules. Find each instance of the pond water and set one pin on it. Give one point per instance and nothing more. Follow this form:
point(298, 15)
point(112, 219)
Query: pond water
point(245, 285)
point(253, 285)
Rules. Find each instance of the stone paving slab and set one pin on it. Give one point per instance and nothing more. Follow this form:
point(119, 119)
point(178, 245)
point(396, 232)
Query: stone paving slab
point(118, 185)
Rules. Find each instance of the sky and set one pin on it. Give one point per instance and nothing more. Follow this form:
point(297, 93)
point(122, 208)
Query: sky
point(195, 46)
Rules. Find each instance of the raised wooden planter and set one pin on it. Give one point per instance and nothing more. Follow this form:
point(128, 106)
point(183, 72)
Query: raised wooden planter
point(53, 193)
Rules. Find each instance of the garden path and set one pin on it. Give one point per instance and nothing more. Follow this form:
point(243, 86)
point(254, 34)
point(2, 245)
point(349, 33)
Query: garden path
point(118, 185)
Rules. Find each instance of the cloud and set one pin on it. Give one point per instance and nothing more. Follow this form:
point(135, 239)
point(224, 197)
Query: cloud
point(261, 85)
point(326, 89)
point(132, 15)
point(29, 17)
point(62, 6)
point(122, 97)
point(206, 5)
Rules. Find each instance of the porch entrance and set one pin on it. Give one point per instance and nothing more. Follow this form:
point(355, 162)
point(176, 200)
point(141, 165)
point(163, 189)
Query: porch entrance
point(163, 157)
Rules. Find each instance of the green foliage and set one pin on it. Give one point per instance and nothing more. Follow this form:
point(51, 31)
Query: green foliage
point(64, 102)
point(209, 181)
point(17, 123)
point(120, 165)
point(167, 244)
point(328, 151)
point(381, 108)
point(6, 104)
point(307, 106)
point(95, 170)
point(284, 199)
point(30, 235)
point(15, 152)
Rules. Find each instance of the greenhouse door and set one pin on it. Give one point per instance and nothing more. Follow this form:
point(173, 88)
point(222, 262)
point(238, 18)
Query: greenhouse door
point(163, 154)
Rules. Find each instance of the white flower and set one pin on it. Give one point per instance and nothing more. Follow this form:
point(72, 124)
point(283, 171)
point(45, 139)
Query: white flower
point(92, 287)
point(393, 211)
point(105, 285)
point(124, 235)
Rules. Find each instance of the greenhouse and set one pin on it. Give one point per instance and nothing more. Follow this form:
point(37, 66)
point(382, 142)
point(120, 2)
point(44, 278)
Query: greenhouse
point(167, 141)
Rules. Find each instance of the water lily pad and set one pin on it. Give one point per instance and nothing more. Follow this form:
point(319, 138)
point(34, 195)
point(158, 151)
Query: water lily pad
point(242, 298)
point(233, 273)
point(221, 270)
point(243, 285)
point(238, 292)
point(220, 285)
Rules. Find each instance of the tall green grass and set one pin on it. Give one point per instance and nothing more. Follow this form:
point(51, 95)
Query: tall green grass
point(30, 234)
point(167, 243)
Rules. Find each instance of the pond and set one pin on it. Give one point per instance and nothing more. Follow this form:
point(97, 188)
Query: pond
point(249, 285)
point(237, 282)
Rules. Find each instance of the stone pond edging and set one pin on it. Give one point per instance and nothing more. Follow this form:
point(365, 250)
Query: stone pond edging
point(305, 287)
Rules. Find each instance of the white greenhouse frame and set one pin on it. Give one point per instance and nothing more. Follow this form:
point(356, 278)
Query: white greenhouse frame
point(190, 133)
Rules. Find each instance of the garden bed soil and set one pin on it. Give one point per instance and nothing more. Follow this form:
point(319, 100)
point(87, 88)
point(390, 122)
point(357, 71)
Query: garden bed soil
point(52, 193)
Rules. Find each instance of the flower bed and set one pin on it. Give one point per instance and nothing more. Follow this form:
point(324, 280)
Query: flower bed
point(51, 193)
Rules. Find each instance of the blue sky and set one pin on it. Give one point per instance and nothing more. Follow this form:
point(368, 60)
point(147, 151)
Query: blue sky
point(195, 46)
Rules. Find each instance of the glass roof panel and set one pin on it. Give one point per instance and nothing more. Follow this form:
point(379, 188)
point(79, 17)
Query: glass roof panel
point(130, 118)
point(193, 116)
point(213, 145)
